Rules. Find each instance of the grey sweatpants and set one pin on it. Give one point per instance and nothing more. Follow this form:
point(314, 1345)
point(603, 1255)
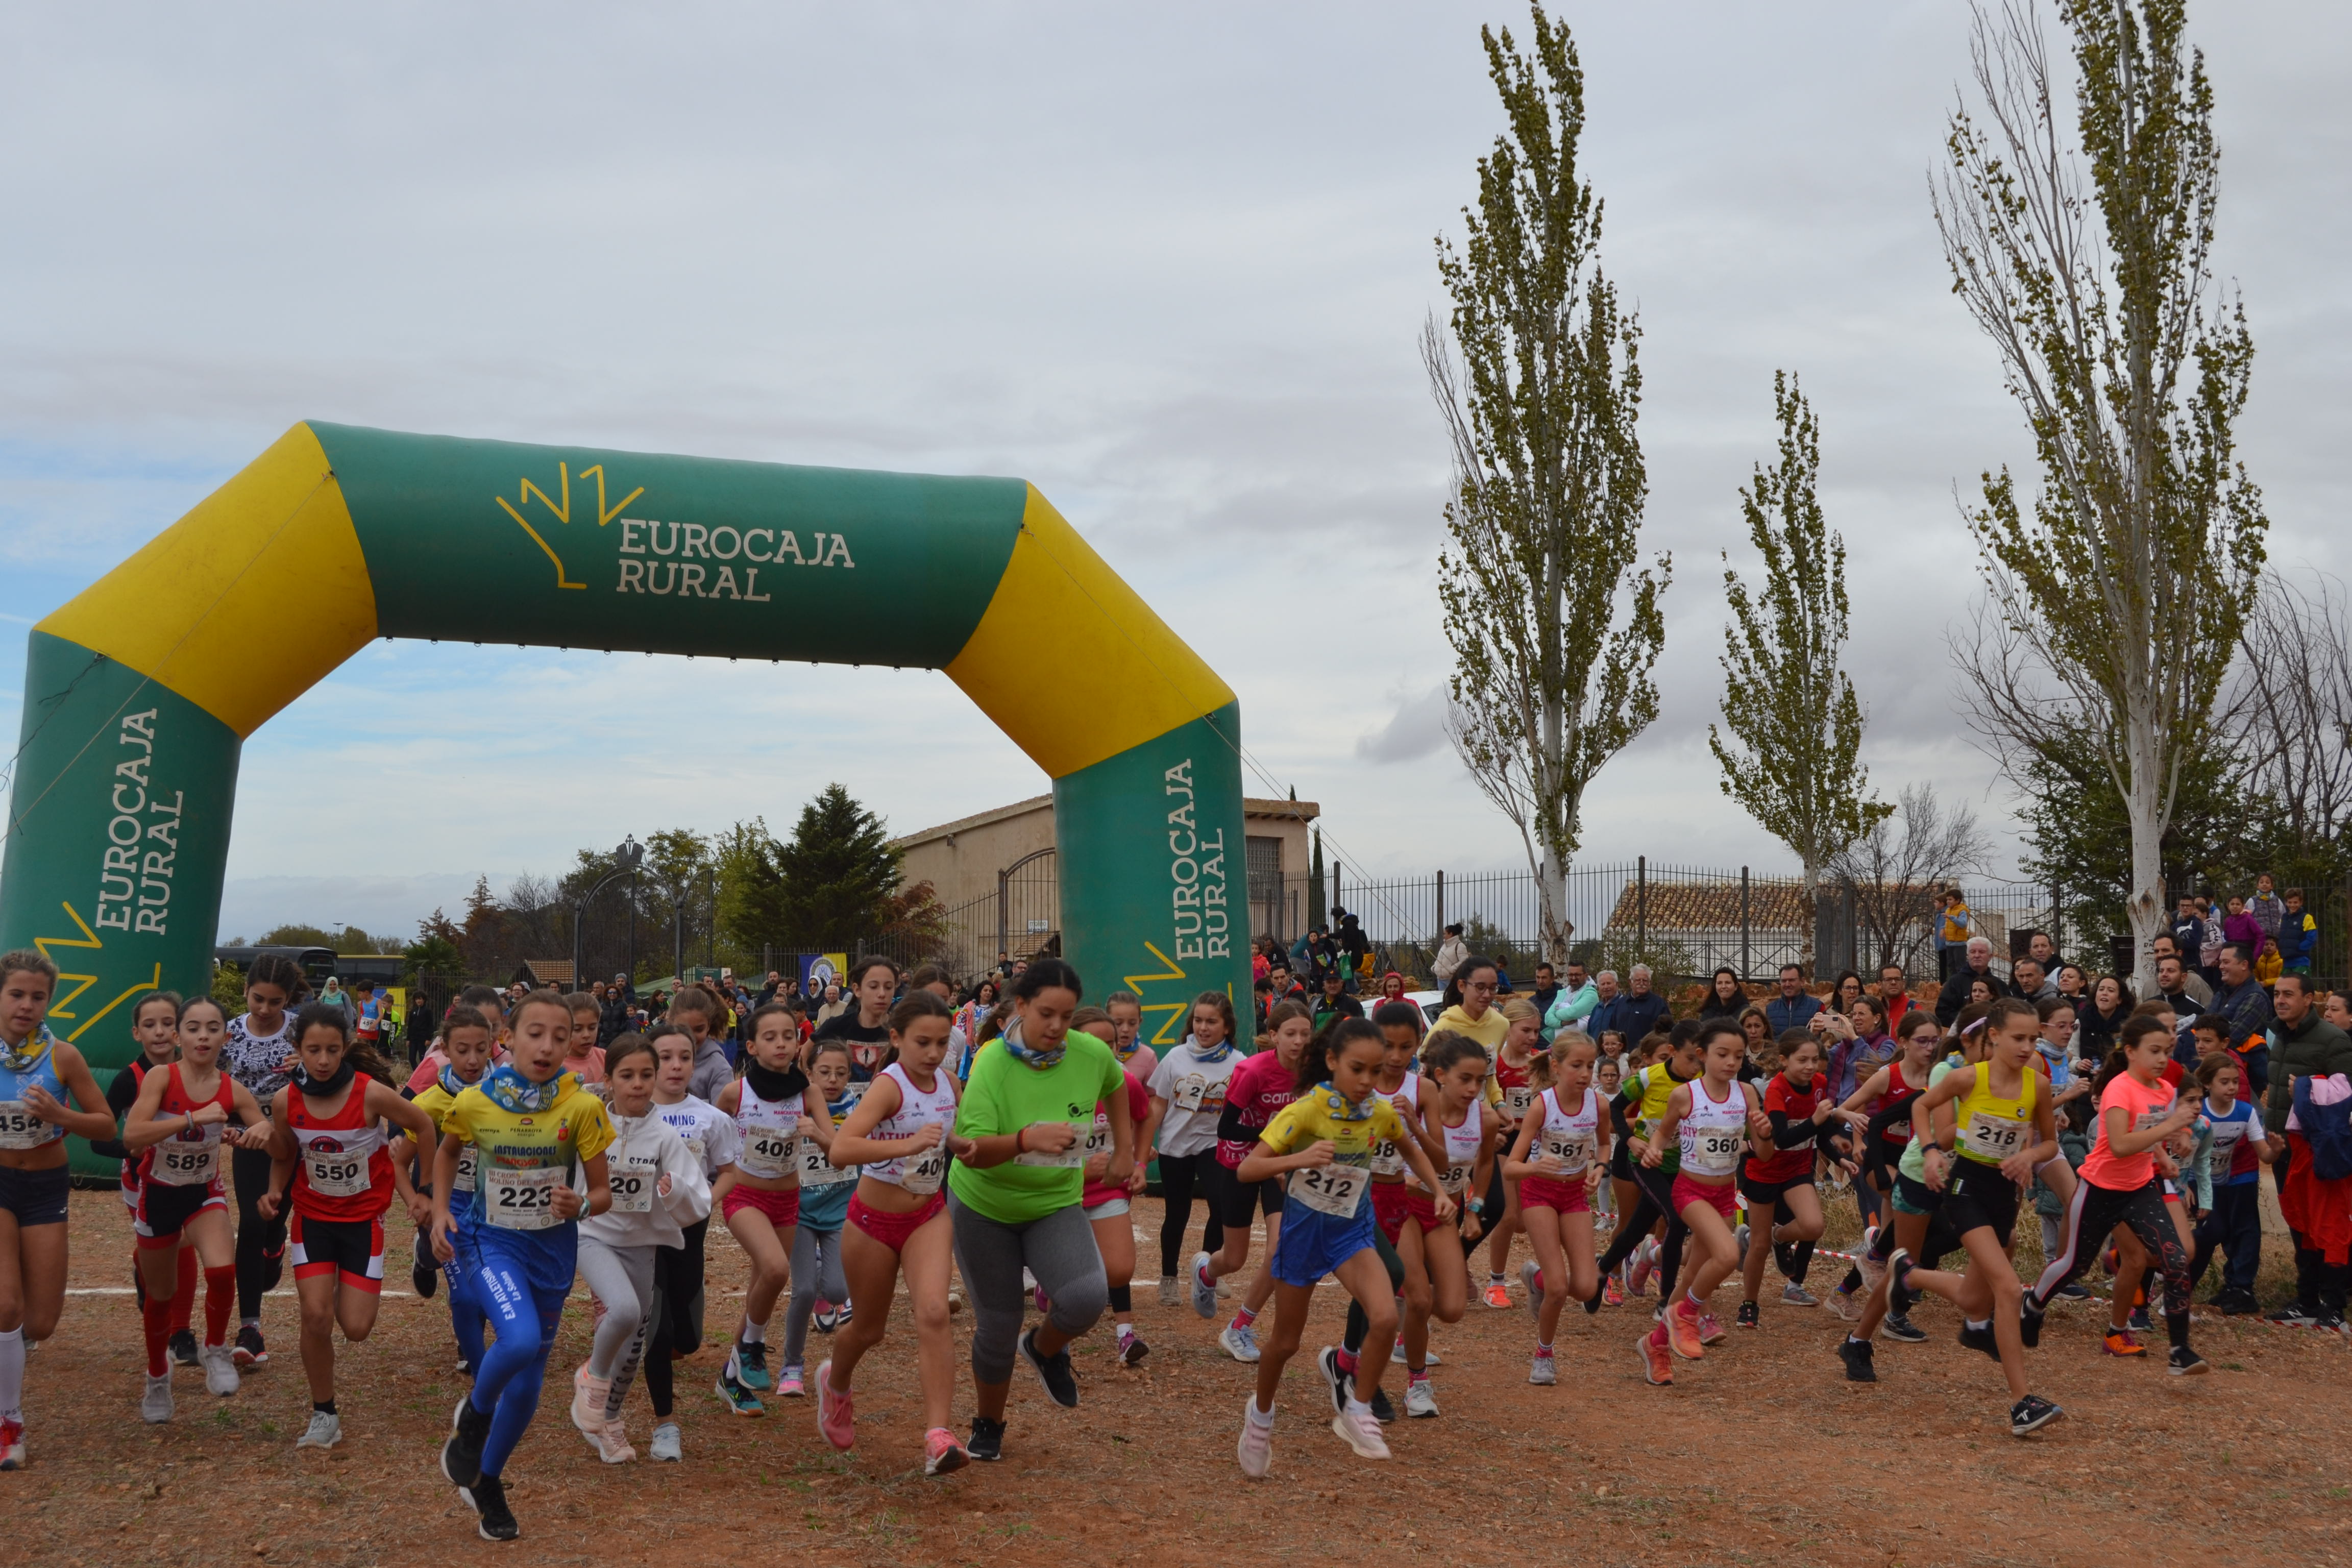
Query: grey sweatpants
point(816, 1273)
point(623, 1278)
point(1059, 1250)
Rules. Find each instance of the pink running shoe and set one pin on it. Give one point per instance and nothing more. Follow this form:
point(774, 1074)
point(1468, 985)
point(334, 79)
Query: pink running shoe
point(837, 1413)
point(942, 1453)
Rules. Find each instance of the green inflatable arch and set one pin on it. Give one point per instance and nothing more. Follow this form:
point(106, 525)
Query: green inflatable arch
point(140, 692)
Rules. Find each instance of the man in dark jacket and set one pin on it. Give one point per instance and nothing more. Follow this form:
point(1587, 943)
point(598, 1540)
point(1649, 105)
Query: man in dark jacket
point(1792, 1009)
point(2303, 1043)
point(1640, 1010)
point(1955, 995)
point(2242, 1001)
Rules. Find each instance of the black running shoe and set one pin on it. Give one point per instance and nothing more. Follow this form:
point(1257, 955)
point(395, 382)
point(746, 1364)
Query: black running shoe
point(461, 1456)
point(1748, 1317)
point(1053, 1371)
point(488, 1497)
point(249, 1350)
point(424, 1273)
point(1903, 1331)
point(1980, 1339)
point(1327, 1362)
point(1382, 1411)
point(2295, 1315)
point(2236, 1303)
point(1133, 1351)
point(987, 1439)
point(184, 1347)
point(2032, 1414)
point(1856, 1354)
point(2137, 1322)
point(2331, 1321)
point(2029, 1325)
point(2186, 1362)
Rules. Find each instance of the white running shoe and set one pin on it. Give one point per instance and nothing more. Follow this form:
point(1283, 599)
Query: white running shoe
point(1240, 1340)
point(1361, 1432)
point(324, 1432)
point(1541, 1372)
point(155, 1404)
point(1420, 1399)
point(1397, 1356)
point(1170, 1294)
point(1741, 1237)
point(1204, 1291)
point(1255, 1450)
point(611, 1441)
point(1842, 1302)
point(588, 1395)
point(221, 1375)
point(1645, 1260)
point(1531, 1276)
point(666, 1445)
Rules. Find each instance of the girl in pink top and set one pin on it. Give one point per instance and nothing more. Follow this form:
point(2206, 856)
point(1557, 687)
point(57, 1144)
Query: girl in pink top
point(1259, 1088)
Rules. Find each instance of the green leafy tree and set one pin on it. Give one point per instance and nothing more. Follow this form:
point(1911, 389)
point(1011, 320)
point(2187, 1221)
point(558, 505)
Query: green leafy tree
point(350, 938)
point(2117, 589)
point(751, 913)
point(838, 870)
point(228, 986)
point(436, 950)
point(1554, 630)
point(1794, 762)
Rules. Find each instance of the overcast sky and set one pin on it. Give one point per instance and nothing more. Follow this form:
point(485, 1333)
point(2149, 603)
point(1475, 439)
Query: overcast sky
point(1168, 263)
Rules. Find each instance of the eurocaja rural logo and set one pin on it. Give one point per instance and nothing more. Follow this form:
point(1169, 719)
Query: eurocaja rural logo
point(662, 556)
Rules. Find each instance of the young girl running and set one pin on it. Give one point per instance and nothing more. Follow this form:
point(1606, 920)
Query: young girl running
point(1259, 1088)
point(760, 1199)
point(711, 1138)
point(155, 1031)
point(1985, 1128)
point(1777, 1180)
point(330, 1164)
point(654, 1178)
point(2234, 1158)
point(1557, 1158)
point(531, 1121)
point(1640, 1107)
point(1708, 1119)
point(260, 1056)
point(38, 1073)
point(175, 1130)
point(901, 1136)
point(2123, 1182)
point(1515, 1091)
point(1106, 1202)
point(1457, 1117)
point(466, 1057)
point(1187, 1098)
point(1321, 1147)
point(1885, 1132)
point(1400, 1082)
point(826, 1189)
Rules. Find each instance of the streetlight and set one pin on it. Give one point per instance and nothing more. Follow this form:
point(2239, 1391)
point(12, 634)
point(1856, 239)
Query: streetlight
point(628, 858)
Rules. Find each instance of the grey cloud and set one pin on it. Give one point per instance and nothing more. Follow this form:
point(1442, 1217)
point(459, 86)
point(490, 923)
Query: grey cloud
point(1415, 730)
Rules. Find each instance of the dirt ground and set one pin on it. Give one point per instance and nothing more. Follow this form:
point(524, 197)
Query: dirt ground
point(1759, 1453)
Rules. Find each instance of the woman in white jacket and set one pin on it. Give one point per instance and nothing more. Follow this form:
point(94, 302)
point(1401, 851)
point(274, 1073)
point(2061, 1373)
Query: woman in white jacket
point(657, 1182)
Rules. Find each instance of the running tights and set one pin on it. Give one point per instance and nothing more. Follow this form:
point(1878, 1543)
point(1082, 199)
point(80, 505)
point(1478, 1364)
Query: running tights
point(260, 1243)
point(623, 1278)
point(1358, 1325)
point(2096, 1211)
point(676, 1313)
point(514, 1368)
point(1656, 1187)
point(1059, 1250)
point(1178, 1175)
point(12, 1373)
point(816, 1275)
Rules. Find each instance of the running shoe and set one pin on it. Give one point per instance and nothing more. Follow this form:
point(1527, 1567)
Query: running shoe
point(424, 1273)
point(1795, 1295)
point(155, 1404)
point(987, 1442)
point(220, 1371)
point(824, 1319)
point(788, 1382)
point(1053, 1371)
point(2032, 1414)
point(1327, 1362)
point(12, 1445)
point(249, 1350)
point(1420, 1399)
point(1842, 1302)
point(461, 1455)
point(740, 1399)
point(1531, 1276)
point(1873, 1268)
point(1682, 1332)
point(942, 1453)
point(1542, 1370)
point(611, 1441)
point(325, 1431)
point(1899, 1328)
point(184, 1348)
point(2029, 1323)
point(1171, 1293)
point(1856, 1354)
point(1397, 1357)
point(1240, 1341)
point(1973, 1338)
point(1132, 1349)
point(2330, 1322)
point(1383, 1411)
point(1045, 1302)
point(1741, 1237)
point(748, 1363)
point(2235, 1302)
point(2186, 1362)
point(2074, 1292)
point(1360, 1432)
point(2295, 1315)
point(2121, 1341)
point(1256, 1449)
point(845, 1310)
point(588, 1395)
point(1497, 1295)
point(1645, 1259)
point(665, 1445)
point(1611, 1295)
point(837, 1413)
point(1784, 1258)
point(1656, 1365)
point(488, 1497)
point(1204, 1290)
point(1710, 1329)
point(1748, 1317)
point(2137, 1322)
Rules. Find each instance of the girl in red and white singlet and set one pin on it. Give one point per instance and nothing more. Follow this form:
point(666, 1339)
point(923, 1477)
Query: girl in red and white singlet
point(155, 1031)
point(1435, 1253)
point(1710, 1118)
point(759, 1199)
point(1557, 1159)
point(1515, 1093)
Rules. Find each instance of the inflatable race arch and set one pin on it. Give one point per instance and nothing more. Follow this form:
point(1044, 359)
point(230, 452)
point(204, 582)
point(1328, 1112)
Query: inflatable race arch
point(140, 692)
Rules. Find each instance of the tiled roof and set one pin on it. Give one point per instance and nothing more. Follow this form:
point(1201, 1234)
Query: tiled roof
point(1708, 906)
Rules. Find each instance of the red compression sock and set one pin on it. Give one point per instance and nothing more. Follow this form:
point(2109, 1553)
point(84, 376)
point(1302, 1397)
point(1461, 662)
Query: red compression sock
point(184, 1296)
point(220, 1302)
point(155, 1317)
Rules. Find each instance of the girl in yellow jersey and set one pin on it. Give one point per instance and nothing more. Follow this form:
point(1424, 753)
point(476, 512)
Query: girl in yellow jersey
point(1320, 1146)
point(1641, 1105)
point(1983, 1129)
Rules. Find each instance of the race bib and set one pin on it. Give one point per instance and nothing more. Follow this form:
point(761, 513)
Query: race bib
point(342, 1174)
point(1098, 1136)
point(634, 1185)
point(1574, 1152)
point(1068, 1159)
point(1516, 1100)
point(1331, 1189)
point(1190, 1089)
point(520, 1199)
point(1899, 1131)
point(817, 1171)
point(468, 1157)
point(1715, 1150)
point(923, 1176)
point(178, 1164)
point(1454, 1178)
point(1388, 1160)
point(767, 1151)
point(1992, 1139)
point(20, 1129)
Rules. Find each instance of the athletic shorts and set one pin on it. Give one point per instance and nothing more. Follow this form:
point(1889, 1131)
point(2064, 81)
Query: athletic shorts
point(892, 1230)
point(163, 1210)
point(1620, 1160)
point(1764, 1197)
point(1239, 1203)
point(1561, 1194)
point(1390, 1205)
point(783, 1208)
point(1914, 1198)
point(1313, 1243)
point(353, 1248)
point(35, 1197)
point(1108, 1208)
point(1978, 1195)
point(1723, 1200)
